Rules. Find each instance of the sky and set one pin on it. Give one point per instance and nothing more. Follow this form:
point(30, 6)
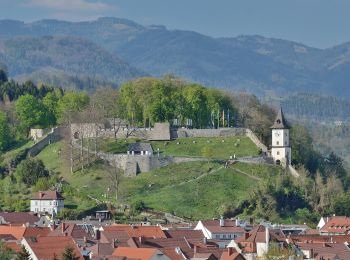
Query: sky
point(317, 23)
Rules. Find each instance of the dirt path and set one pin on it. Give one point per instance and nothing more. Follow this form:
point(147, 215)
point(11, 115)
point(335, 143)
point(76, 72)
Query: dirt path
point(246, 174)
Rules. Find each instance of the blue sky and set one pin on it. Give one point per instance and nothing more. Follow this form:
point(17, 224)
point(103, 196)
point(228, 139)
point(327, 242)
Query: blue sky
point(318, 23)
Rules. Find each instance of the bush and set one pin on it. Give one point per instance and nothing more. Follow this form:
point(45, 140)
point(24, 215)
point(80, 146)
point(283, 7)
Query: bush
point(30, 170)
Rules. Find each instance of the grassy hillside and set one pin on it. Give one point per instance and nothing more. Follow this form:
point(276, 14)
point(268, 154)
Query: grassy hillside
point(193, 190)
point(196, 190)
point(220, 147)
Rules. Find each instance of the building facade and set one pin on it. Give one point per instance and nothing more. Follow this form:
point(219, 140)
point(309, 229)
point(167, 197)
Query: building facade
point(281, 151)
point(50, 202)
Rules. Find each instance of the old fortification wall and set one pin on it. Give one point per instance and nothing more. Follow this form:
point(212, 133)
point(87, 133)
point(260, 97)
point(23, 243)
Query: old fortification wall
point(181, 133)
point(52, 137)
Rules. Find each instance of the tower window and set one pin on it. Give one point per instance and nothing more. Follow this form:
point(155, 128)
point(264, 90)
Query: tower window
point(277, 143)
point(278, 153)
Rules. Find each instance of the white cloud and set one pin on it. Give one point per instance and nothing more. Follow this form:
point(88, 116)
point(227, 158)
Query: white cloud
point(70, 5)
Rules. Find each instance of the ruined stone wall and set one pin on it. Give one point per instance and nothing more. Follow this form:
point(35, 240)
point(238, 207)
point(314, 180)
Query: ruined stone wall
point(54, 136)
point(221, 132)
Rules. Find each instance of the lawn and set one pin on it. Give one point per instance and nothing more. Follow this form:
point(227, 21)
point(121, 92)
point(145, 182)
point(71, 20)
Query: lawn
point(218, 147)
point(204, 197)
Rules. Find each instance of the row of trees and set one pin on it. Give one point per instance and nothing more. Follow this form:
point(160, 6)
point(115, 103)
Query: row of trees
point(148, 100)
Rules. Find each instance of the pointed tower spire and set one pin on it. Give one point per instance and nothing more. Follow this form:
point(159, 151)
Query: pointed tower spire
point(280, 122)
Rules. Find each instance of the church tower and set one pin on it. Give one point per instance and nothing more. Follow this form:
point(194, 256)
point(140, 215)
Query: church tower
point(280, 148)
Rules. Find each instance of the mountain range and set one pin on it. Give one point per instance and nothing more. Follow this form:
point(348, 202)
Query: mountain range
point(114, 50)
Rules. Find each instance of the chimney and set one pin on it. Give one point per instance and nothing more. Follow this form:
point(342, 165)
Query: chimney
point(246, 235)
point(237, 222)
point(141, 239)
point(230, 251)
point(267, 238)
point(195, 249)
point(97, 234)
point(63, 227)
point(205, 240)
point(114, 243)
point(85, 239)
point(41, 195)
point(222, 222)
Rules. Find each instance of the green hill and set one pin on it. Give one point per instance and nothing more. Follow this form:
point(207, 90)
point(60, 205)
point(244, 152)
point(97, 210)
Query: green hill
point(192, 190)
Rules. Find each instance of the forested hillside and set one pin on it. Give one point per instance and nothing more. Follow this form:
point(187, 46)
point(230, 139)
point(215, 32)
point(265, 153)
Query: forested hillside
point(317, 107)
point(65, 61)
point(263, 66)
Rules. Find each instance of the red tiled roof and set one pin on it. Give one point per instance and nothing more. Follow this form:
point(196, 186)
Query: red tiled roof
point(234, 255)
point(187, 246)
point(184, 233)
point(16, 231)
point(70, 229)
point(135, 253)
point(326, 249)
point(47, 195)
point(13, 246)
point(19, 231)
point(228, 227)
point(19, 218)
point(138, 231)
point(337, 224)
point(46, 247)
point(320, 238)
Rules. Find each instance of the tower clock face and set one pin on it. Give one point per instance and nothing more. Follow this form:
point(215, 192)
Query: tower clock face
point(277, 134)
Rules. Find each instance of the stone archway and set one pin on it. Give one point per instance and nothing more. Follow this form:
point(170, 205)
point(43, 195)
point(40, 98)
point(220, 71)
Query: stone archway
point(76, 135)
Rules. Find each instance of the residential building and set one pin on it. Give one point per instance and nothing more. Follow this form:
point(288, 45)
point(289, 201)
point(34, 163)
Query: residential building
point(223, 229)
point(50, 202)
point(140, 253)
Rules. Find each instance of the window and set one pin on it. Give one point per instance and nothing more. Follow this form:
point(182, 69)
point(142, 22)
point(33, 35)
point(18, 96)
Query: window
point(277, 142)
point(285, 142)
point(36, 203)
point(278, 153)
point(36, 209)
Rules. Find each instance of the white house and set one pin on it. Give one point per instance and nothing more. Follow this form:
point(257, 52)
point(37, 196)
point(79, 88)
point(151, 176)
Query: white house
point(280, 148)
point(50, 202)
point(220, 229)
point(144, 149)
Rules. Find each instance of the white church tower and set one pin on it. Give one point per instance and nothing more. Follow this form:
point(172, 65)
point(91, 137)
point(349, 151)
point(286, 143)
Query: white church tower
point(280, 148)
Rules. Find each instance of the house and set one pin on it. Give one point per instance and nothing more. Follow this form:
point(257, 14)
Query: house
point(50, 202)
point(335, 225)
point(224, 229)
point(140, 253)
point(19, 232)
point(231, 254)
point(140, 149)
point(136, 231)
point(258, 241)
point(103, 214)
point(40, 248)
point(37, 133)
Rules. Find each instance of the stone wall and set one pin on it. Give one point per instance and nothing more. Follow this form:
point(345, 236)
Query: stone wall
point(221, 132)
point(54, 136)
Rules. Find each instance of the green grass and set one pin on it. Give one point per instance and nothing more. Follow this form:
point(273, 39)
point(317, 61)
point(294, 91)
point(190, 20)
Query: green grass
point(205, 197)
point(220, 147)
point(175, 188)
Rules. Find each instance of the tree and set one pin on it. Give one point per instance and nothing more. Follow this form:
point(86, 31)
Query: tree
point(5, 252)
point(70, 103)
point(3, 75)
point(23, 254)
point(5, 133)
point(30, 170)
point(69, 253)
point(114, 175)
point(30, 112)
point(50, 102)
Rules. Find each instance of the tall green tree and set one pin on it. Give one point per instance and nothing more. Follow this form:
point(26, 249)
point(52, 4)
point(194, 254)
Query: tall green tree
point(31, 112)
point(23, 254)
point(29, 171)
point(5, 132)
